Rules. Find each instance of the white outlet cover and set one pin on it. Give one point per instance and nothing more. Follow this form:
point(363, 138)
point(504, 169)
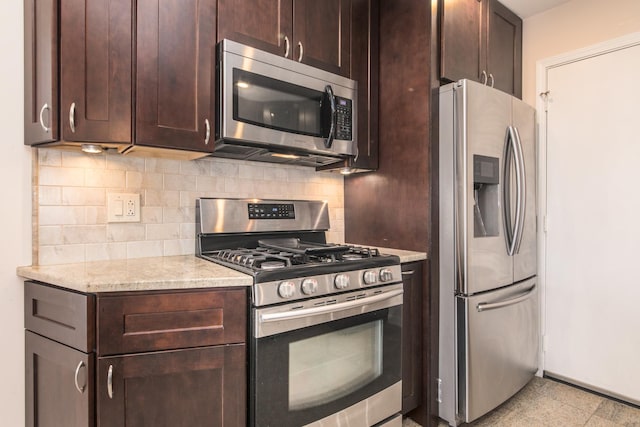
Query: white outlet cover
point(123, 207)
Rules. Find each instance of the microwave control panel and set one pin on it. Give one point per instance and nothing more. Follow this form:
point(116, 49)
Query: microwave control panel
point(344, 116)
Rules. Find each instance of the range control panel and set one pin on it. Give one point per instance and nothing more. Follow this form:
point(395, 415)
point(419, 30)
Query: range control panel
point(271, 211)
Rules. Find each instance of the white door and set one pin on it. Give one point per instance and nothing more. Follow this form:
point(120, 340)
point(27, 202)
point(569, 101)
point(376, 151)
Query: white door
point(592, 248)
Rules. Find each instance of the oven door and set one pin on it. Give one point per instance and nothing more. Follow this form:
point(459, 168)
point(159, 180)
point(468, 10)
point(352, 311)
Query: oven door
point(337, 360)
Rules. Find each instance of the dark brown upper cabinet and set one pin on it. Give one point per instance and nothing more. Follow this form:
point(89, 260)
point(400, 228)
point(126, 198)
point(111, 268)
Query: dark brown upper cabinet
point(175, 74)
point(481, 40)
point(313, 32)
point(40, 71)
point(95, 70)
point(137, 76)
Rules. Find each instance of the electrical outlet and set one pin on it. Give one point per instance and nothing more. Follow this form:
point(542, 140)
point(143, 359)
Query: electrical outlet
point(123, 207)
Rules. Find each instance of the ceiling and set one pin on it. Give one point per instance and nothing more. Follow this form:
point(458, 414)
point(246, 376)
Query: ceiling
point(526, 8)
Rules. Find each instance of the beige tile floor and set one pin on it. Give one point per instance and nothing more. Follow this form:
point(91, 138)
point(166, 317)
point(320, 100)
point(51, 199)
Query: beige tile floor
point(547, 403)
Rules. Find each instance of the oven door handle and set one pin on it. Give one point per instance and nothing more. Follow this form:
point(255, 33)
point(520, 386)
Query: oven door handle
point(306, 312)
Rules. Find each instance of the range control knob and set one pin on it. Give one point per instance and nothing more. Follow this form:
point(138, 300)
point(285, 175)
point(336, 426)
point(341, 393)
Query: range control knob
point(385, 275)
point(309, 286)
point(286, 289)
point(341, 281)
point(370, 277)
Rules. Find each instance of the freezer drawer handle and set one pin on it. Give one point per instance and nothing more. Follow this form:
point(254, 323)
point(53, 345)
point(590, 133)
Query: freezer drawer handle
point(483, 306)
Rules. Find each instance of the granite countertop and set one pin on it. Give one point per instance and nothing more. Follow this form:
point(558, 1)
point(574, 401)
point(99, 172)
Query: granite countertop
point(405, 256)
point(172, 272)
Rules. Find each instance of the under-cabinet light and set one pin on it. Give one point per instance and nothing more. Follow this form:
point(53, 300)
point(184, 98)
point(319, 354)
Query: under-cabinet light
point(91, 148)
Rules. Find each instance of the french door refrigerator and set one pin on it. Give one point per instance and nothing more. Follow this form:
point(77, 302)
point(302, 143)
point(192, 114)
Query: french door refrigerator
point(489, 309)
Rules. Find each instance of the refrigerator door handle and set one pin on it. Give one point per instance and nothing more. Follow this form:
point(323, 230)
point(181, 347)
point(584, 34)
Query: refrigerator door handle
point(484, 306)
point(510, 156)
point(521, 190)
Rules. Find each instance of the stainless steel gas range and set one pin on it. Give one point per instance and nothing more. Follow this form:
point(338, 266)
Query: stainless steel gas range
point(326, 319)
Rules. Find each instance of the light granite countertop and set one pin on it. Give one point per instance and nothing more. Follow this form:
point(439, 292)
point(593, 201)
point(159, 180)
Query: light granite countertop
point(158, 273)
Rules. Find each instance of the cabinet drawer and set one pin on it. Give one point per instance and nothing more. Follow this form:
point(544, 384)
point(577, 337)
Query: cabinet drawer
point(64, 316)
point(170, 320)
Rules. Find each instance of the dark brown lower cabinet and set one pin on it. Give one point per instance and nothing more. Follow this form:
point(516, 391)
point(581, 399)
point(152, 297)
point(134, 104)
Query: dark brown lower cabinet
point(193, 387)
point(187, 366)
point(59, 384)
point(412, 337)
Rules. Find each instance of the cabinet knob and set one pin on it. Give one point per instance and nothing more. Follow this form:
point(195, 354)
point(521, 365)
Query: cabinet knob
point(44, 127)
point(75, 378)
point(72, 117)
point(301, 51)
point(287, 46)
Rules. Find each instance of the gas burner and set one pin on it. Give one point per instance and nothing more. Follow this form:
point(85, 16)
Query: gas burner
point(272, 265)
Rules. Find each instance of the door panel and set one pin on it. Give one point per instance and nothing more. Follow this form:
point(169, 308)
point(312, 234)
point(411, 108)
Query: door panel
point(525, 261)
point(262, 24)
point(175, 74)
point(460, 40)
point(483, 127)
point(40, 71)
point(323, 28)
point(498, 345)
point(96, 63)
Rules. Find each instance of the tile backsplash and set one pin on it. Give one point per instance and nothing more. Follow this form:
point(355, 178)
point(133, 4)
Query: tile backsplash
point(70, 191)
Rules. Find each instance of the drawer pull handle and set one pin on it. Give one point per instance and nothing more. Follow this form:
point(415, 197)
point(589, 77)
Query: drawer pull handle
point(408, 272)
point(110, 382)
point(75, 378)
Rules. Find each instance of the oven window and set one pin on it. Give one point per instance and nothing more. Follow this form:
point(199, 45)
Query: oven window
point(276, 104)
point(333, 365)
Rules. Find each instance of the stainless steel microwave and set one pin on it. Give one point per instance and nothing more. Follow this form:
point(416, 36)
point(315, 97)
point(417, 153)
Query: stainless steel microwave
point(274, 109)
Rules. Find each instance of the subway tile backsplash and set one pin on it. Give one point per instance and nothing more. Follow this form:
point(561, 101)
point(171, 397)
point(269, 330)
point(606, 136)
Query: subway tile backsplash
point(72, 187)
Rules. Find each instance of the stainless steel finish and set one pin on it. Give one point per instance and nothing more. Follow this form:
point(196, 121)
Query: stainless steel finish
point(484, 77)
point(287, 46)
point(367, 412)
point(287, 289)
point(235, 55)
point(483, 306)
point(75, 377)
point(393, 422)
point(282, 318)
point(386, 275)
point(231, 216)
point(301, 51)
point(489, 324)
point(207, 133)
point(370, 277)
point(72, 117)
point(491, 78)
point(503, 345)
point(44, 127)
point(408, 272)
point(110, 382)
point(341, 281)
point(266, 293)
point(309, 286)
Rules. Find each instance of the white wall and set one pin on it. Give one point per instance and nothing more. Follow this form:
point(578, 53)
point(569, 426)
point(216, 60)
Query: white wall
point(571, 26)
point(15, 213)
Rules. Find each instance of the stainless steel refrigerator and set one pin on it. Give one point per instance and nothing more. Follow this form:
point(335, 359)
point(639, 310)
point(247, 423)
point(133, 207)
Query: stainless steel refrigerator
point(489, 309)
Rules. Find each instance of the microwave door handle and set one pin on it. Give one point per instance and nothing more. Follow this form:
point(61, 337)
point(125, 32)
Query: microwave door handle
point(332, 101)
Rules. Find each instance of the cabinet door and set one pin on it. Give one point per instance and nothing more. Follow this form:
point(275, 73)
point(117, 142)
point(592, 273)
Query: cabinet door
point(322, 34)
point(194, 387)
point(460, 40)
point(263, 24)
point(175, 73)
point(96, 64)
point(40, 71)
point(504, 48)
point(412, 337)
point(59, 384)
point(365, 70)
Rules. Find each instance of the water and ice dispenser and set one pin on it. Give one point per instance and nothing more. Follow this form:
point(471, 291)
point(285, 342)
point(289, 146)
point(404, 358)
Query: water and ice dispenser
point(486, 196)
